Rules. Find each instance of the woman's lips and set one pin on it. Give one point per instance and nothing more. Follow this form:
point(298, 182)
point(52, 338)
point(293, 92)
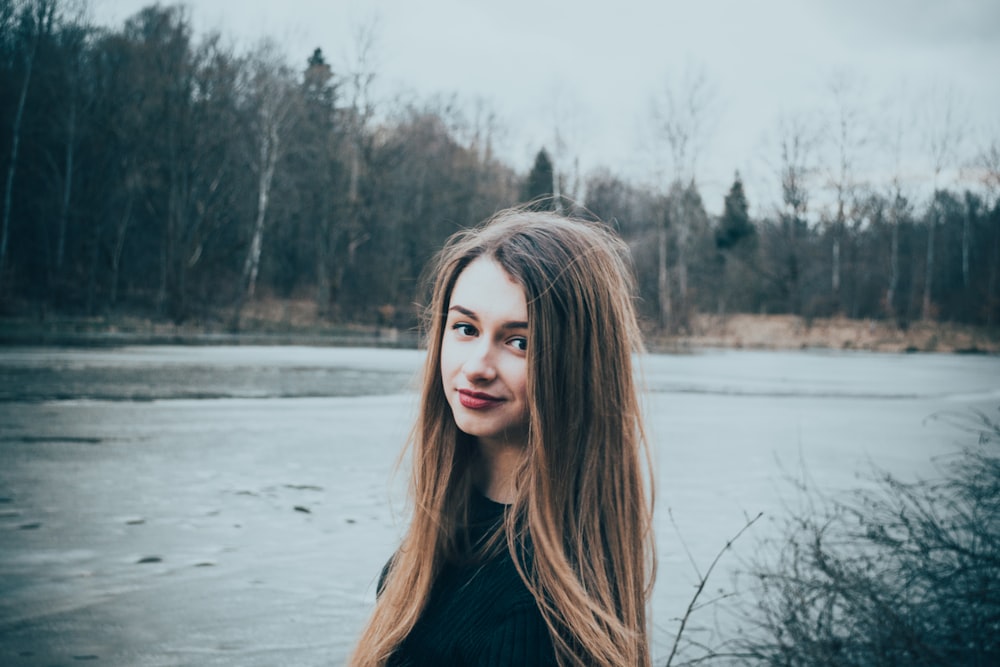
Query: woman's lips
point(475, 400)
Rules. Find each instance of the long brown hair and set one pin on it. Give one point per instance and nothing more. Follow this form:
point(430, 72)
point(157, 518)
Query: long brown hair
point(583, 504)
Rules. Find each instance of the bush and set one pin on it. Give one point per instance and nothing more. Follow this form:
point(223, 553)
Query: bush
point(895, 574)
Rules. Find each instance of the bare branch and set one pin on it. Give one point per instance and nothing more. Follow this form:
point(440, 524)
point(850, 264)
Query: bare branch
point(702, 581)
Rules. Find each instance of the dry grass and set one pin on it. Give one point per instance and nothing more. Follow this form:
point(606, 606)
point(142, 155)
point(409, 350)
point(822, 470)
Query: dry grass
point(791, 332)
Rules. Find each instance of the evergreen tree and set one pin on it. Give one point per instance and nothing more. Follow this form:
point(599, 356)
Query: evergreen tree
point(735, 225)
point(540, 180)
point(734, 240)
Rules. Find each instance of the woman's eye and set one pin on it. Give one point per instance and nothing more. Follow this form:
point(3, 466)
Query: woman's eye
point(519, 343)
point(464, 329)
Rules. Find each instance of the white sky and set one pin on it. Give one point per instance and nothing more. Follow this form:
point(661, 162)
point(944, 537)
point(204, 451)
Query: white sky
point(593, 68)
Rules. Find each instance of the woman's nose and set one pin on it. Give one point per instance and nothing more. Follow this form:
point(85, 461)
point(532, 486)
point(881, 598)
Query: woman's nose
point(479, 366)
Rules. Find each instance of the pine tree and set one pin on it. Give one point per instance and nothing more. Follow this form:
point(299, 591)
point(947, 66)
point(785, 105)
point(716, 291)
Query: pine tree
point(735, 225)
point(734, 242)
point(540, 181)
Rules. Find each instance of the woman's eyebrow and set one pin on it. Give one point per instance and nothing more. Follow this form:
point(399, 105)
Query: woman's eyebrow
point(472, 316)
point(465, 311)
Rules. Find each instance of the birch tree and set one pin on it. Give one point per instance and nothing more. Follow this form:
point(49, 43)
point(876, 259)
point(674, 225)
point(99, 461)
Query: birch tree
point(849, 138)
point(945, 133)
point(272, 98)
point(894, 141)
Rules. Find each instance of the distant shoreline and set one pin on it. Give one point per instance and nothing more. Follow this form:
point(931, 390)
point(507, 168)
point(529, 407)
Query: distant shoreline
point(790, 332)
point(739, 331)
point(90, 333)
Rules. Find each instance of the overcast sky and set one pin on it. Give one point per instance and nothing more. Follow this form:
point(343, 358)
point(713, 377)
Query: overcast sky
point(594, 69)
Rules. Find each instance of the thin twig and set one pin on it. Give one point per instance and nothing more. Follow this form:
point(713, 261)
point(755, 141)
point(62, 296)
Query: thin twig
point(702, 580)
point(680, 538)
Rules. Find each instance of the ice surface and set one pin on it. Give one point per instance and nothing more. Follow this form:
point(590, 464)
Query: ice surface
point(148, 373)
point(248, 528)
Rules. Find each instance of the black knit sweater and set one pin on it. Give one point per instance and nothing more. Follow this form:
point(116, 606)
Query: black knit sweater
point(479, 614)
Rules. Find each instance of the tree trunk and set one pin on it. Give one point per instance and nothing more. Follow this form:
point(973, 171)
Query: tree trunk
point(966, 242)
point(176, 256)
point(992, 305)
point(116, 254)
point(835, 277)
point(792, 267)
point(14, 146)
point(251, 266)
point(324, 254)
point(95, 252)
point(67, 187)
point(724, 284)
point(925, 312)
point(663, 280)
point(890, 293)
point(682, 321)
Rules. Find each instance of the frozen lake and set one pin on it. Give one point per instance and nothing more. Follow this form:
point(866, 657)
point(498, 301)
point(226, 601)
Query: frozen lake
point(234, 505)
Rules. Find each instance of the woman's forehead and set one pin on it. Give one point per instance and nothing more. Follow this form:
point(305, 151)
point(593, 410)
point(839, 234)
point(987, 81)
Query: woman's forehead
point(485, 287)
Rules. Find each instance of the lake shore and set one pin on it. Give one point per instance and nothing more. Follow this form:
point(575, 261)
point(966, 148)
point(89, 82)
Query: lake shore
point(791, 332)
point(273, 322)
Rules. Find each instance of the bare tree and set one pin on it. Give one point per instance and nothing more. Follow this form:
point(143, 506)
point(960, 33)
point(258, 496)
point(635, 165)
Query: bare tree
point(797, 144)
point(681, 115)
point(73, 43)
point(945, 133)
point(987, 165)
point(894, 140)
point(479, 132)
point(361, 77)
point(849, 137)
point(664, 300)
point(361, 72)
point(565, 136)
point(37, 16)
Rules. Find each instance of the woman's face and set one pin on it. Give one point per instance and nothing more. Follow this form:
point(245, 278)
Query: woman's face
point(484, 365)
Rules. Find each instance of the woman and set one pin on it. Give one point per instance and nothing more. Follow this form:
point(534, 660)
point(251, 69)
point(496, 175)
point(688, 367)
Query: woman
point(530, 541)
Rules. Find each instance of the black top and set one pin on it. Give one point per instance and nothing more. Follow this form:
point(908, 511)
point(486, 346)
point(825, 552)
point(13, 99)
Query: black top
point(480, 613)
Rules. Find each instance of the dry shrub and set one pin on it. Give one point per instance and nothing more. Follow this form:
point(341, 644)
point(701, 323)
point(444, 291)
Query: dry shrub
point(897, 573)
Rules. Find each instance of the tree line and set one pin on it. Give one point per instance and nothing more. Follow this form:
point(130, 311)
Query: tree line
point(147, 171)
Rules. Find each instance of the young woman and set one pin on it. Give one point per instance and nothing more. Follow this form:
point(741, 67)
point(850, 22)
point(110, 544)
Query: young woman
point(530, 541)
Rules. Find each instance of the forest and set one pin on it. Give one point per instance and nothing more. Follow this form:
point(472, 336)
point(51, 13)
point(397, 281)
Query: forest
point(149, 172)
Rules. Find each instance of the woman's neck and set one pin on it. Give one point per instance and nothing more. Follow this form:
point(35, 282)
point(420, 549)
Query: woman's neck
point(497, 474)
